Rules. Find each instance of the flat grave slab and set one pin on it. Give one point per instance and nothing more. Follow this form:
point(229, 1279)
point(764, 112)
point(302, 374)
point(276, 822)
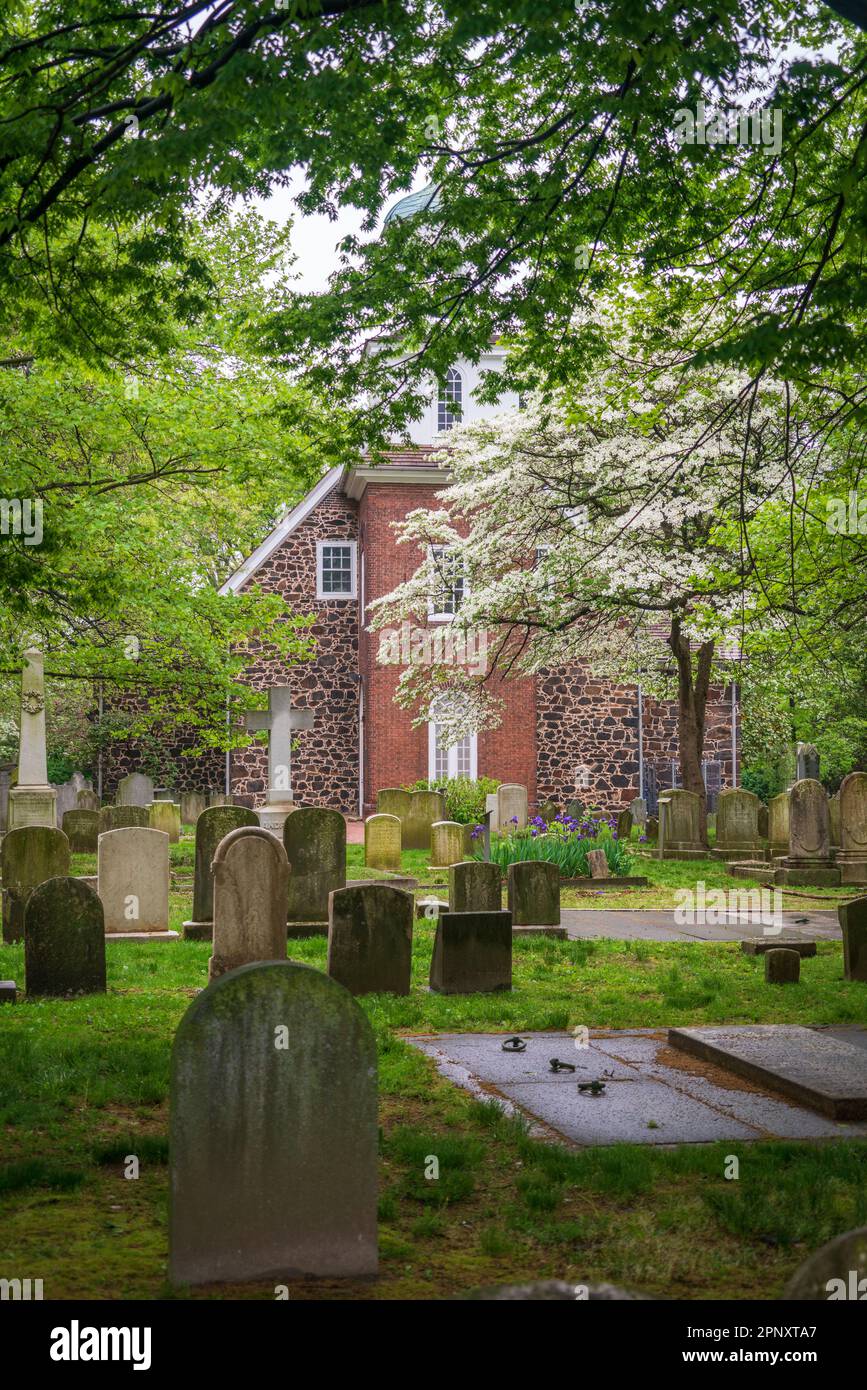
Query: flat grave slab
point(653, 1093)
point(819, 1071)
point(658, 924)
point(143, 936)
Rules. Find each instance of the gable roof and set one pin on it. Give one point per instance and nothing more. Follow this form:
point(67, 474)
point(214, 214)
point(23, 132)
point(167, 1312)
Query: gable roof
point(284, 528)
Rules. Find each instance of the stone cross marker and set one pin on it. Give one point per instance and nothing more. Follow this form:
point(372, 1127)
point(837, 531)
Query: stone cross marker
point(273, 1138)
point(33, 801)
point(280, 720)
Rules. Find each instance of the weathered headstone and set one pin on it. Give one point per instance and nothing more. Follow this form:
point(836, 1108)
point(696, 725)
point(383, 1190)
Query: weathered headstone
point(315, 844)
point(548, 811)
point(192, 806)
point(534, 893)
point(652, 828)
point(852, 856)
point(853, 924)
point(807, 762)
point(273, 1139)
point(382, 842)
point(132, 867)
point(782, 966)
point(123, 818)
point(491, 811)
point(638, 808)
point(216, 798)
point(166, 816)
point(764, 824)
point(424, 810)
point(682, 837)
point(87, 800)
point(737, 825)
point(511, 807)
point(67, 796)
point(472, 953)
point(213, 825)
point(778, 824)
point(597, 863)
point(394, 801)
point(808, 863)
point(624, 825)
point(836, 1271)
point(81, 829)
point(251, 884)
point(32, 801)
point(370, 939)
point(475, 887)
point(64, 939)
point(834, 819)
point(447, 844)
point(575, 809)
point(28, 856)
point(136, 789)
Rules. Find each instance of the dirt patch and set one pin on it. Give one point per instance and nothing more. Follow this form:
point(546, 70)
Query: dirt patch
point(718, 1076)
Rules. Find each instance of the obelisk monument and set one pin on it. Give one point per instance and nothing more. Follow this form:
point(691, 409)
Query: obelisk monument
point(33, 800)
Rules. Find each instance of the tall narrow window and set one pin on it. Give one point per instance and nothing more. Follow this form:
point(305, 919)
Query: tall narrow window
point(451, 395)
point(458, 760)
point(449, 583)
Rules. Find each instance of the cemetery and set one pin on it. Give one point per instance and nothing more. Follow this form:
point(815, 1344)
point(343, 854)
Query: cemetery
point(433, 707)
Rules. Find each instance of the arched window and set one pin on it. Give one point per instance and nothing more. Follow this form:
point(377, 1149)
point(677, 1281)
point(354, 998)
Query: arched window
point(451, 394)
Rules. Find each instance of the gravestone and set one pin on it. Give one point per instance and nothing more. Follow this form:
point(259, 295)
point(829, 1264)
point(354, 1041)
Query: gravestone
point(251, 884)
point(737, 825)
point(652, 828)
point(834, 819)
point(134, 790)
point(394, 801)
point(315, 844)
point(782, 966)
point(213, 825)
point(382, 842)
point(853, 924)
point(28, 856)
point(682, 833)
point(273, 1132)
point(64, 939)
point(763, 821)
point(624, 825)
point(447, 844)
point(852, 856)
point(475, 887)
point(836, 1271)
point(597, 863)
point(132, 869)
point(807, 762)
point(282, 723)
point(424, 810)
point(370, 939)
point(491, 803)
point(575, 809)
point(123, 818)
point(216, 798)
point(511, 807)
point(192, 806)
point(166, 816)
point(87, 801)
point(808, 863)
point(67, 796)
point(32, 800)
point(778, 824)
point(638, 808)
point(548, 811)
point(472, 953)
point(81, 829)
point(534, 893)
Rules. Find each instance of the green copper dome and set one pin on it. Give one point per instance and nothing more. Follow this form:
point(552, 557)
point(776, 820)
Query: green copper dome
point(424, 199)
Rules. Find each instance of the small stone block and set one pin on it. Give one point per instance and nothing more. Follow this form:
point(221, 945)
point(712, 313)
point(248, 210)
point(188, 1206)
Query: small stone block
point(8, 992)
point(782, 966)
point(761, 947)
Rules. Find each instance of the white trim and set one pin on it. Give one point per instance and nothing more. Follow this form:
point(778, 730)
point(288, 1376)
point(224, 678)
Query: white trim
point(284, 528)
point(352, 546)
point(432, 755)
point(465, 589)
point(394, 476)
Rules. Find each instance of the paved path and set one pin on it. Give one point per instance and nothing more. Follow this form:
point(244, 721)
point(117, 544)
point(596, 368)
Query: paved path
point(658, 924)
point(653, 1094)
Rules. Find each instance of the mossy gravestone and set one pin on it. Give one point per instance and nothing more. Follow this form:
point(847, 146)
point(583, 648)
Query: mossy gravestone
point(81, 829)
point(682, 825)
point(251, 884)
point(782, 966)
point(475, 887)
point(447, 843)
point(472, 953)
point(853, 924)
point(273, 1131)
point(393, 801)
point(737, 824)
point(123, 818)
point(29, 855)
point(166, 816)
point(852, 857)
point(778, 824)
point(534, 893)
point(213, 825)
point(382, 841)
point(315, 844)
point(424, 809)
point(64, 939)
point(370, 939)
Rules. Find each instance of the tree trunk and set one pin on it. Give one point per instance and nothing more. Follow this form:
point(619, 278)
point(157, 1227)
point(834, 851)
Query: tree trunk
point(693, 682)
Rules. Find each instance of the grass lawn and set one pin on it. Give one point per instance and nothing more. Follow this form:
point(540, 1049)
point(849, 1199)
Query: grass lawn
point(85, 1082)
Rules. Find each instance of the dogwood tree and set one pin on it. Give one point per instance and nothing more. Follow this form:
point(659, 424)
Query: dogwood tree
point(589, 531)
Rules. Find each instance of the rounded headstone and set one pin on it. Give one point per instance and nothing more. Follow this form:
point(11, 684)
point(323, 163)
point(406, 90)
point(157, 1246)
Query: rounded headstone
point(382, 842)
point(782, 966)
point(251, 882)
point(64, 939)
point(28, 856)
point(370, 939)
point(809, 821)
point(834, 1272)
point(447, 840)
point(213, 825)
point(425, 808)
point(166, 816)
point(315, 844)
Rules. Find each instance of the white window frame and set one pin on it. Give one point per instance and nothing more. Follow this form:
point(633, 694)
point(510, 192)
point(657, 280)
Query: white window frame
point(352, 546)
point(432, 613)
point(445, 401)
point(452, 756)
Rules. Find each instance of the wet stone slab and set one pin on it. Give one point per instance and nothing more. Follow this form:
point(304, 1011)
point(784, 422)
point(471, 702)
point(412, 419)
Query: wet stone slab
point(652, 1094)
point(649, 924)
